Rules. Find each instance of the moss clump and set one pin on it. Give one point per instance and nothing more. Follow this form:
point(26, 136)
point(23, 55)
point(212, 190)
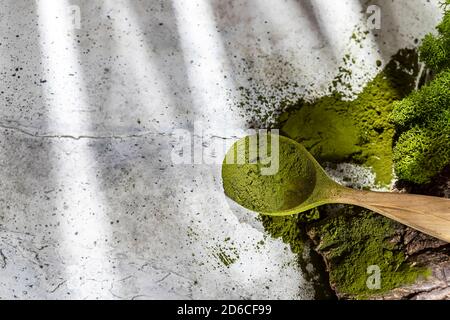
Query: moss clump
point(335, 130)
point(352, 239)
point(426, 106)
point(435, 49)
point(423, 118)
point(423, 150)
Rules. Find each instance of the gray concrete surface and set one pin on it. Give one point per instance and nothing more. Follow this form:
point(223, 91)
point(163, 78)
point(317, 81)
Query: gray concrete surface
point(91, 203)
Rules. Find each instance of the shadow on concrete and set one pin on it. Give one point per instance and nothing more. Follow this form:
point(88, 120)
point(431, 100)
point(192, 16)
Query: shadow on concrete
point(135, 173)
point(30, 260)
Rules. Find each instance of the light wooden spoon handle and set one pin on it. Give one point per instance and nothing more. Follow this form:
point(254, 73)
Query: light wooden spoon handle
point(427, 214)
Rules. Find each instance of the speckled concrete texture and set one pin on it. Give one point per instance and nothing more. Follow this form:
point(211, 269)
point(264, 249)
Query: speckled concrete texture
point(91, 204)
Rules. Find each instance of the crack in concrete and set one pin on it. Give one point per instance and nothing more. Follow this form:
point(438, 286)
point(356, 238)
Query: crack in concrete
point(139, 296)
point(164, 278)
point(26, 132)
point(111, 287)
point(3, 260)
point(165, 270)
point(30, 254)
point(59, 285)
point(79, 137)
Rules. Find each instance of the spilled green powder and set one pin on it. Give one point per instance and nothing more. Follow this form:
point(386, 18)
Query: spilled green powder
point(350, 239)
point(226, 256)
point(358, 131)
point(290, 228)
point(243, 181)
point(324, 130)
point(353, 239)
point(334, 130)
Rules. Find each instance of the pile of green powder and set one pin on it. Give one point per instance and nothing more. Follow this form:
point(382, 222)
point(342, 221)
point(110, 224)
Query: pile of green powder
point(334, 130)
point(352, 240)
point(357, 131)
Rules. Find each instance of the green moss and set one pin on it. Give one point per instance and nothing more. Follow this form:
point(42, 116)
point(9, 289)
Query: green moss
point(422, 152)
point(335, 130)
point(425, 106)
point(353, 239)
point(435, 49)
point(422, 119)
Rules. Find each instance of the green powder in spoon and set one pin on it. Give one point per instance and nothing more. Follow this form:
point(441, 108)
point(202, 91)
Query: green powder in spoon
point(244, 182)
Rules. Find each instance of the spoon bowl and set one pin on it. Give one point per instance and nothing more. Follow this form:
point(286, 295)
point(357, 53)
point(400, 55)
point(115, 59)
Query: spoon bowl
point(290, 186)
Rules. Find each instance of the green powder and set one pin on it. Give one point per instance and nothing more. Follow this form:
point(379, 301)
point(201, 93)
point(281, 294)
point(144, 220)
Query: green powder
point(290, 228)
point(334, 130)
point(226, 255)
point(323, 128)
point(357, 131)
point(350, 239)
point(243, 182)
point(354, 239)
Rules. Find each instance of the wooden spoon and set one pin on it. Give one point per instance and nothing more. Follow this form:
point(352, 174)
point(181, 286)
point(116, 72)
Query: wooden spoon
point(301, 184)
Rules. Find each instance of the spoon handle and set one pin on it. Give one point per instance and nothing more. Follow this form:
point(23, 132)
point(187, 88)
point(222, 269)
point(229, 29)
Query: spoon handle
point(427, 214)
